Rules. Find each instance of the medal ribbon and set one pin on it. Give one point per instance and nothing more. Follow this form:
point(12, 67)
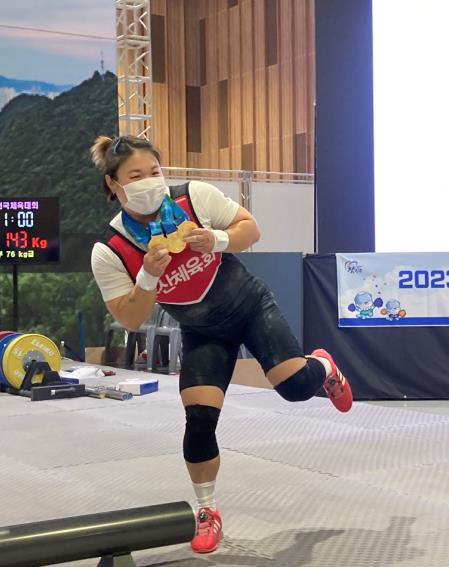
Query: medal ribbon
point(170, 213)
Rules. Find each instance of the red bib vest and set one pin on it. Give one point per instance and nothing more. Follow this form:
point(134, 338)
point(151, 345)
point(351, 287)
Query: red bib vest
point(188, 277)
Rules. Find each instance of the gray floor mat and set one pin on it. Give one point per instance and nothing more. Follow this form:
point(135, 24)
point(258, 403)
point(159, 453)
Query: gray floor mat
point(300, 484)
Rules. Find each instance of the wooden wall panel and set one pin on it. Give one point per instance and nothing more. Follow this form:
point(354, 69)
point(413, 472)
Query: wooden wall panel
point(273, 85)
point(300, 65)
point(300, 153)
point(235, 88)
point(247, 71)
point(160, 90)
point(203, 52)
point(274, 149)
point(209, 124)
point(224, 153)
point(158, 63)
point(223, 40)
point(311, 82)
point(160, 121)
point(210, 89)
point(195, 61)
point(252, 66)
point(247, 157)
point(260, 90)
point(176, 83)
point(158, 7)
point(212, 41)
point(193, 119)
point(195, 160)
point(271, 32)
point(223, 114)
point(192, 43)
point(286, 85)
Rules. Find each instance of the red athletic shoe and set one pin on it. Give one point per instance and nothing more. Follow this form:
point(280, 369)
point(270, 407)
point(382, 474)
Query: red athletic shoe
point(209, 531)
point(336, 386)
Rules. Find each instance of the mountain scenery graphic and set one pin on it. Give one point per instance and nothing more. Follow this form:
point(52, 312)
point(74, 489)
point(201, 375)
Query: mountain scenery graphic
point(45, 152)
point(10, 88)
point(52, 106)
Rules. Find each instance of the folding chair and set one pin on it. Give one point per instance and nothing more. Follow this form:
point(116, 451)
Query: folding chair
point(166, 326)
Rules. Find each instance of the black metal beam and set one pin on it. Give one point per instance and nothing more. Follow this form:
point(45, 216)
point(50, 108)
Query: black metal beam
point(96, 535)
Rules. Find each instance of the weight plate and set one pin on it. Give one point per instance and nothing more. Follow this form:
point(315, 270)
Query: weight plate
point(4, 334)
point(22, 350)
point(4, 342)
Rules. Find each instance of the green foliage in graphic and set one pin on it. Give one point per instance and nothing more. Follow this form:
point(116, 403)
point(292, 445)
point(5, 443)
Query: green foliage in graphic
point(49, 304)
point(45, 152)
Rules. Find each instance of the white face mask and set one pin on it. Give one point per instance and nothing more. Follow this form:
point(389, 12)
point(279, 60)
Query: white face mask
point(145, 196)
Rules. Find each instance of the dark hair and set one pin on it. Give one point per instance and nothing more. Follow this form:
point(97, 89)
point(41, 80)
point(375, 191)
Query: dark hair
point(108, 154)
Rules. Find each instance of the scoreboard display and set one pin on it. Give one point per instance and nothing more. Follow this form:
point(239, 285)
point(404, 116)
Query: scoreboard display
point(29, 230)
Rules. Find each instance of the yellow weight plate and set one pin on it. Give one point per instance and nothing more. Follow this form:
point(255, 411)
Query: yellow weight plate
point(22, 350)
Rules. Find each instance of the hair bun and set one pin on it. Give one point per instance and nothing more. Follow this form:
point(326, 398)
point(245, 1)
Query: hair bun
point(99, 149)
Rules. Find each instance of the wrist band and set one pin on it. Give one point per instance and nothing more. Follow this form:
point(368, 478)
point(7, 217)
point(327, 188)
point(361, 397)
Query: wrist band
point(146, 281)
point(221, 240)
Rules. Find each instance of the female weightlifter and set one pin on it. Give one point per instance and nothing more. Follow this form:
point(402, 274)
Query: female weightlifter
point(174, 246)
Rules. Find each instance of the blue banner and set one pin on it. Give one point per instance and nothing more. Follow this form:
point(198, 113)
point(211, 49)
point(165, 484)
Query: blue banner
point(388, 290)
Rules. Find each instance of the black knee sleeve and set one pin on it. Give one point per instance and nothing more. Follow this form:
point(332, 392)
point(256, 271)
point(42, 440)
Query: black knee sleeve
point(303, 384)
point(200, 442)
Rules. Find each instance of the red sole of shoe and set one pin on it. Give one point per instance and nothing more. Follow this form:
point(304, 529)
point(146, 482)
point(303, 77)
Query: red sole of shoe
point(209, 550)
point(204, 551)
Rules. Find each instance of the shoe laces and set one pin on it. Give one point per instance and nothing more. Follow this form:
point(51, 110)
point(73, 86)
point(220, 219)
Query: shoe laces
point(334, 384)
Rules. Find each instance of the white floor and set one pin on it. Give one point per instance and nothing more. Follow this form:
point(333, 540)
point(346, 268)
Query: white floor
point(426, 406)
point(300, 484)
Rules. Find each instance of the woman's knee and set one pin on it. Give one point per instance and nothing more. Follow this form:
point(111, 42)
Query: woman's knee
point(202, 406)
point(304, 383)
point(200, 441)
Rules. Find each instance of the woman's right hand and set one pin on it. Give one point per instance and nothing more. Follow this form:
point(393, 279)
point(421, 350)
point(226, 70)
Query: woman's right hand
point(156, 260)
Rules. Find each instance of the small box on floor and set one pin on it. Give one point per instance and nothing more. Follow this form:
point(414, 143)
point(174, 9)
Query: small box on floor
point(81, 374)
point(138, 387)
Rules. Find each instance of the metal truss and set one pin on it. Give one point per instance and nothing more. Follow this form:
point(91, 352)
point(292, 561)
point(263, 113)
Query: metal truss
point(135, 103)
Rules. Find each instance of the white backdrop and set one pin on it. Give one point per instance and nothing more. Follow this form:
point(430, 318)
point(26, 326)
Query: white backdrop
point(285, 215)
point(411, 125)
point(284, 212)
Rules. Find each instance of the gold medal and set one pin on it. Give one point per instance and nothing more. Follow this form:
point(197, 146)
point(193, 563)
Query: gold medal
point(185, 228)
point(174, 243)
point(157, 239)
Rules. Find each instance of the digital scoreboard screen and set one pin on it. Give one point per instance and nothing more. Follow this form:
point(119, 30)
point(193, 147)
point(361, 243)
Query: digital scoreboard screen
point(29, 230)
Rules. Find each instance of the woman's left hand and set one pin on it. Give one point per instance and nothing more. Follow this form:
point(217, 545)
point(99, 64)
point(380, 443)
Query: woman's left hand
point(201, 240)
